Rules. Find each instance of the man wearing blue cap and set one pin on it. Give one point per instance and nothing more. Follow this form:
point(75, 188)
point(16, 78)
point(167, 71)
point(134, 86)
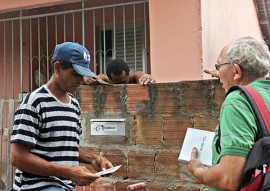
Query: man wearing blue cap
point(47, 128)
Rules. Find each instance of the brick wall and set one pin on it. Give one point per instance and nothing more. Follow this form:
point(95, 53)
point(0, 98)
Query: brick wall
point(156, 119)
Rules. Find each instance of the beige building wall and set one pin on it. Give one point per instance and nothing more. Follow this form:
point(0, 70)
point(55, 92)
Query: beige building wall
point(187, 36)
point(223, 21)
point(175, 40)
point(8, 5)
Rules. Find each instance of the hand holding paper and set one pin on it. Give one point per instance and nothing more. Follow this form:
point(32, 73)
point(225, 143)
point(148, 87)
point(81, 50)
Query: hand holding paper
point(108, 171)
point(195, 166)
point(200, 139)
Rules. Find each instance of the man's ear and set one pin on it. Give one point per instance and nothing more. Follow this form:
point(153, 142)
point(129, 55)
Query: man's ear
point(57, 67)
point(238, 73)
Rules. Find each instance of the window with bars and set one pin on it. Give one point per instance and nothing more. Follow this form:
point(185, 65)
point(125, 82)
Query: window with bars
point(29, 38)
point(127, 44)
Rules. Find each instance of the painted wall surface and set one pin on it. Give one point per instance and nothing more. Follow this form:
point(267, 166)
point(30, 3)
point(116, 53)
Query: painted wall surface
point(7, 5)
point(195, 32)
point(175, 40)
point(223, 21)
point(185, 36)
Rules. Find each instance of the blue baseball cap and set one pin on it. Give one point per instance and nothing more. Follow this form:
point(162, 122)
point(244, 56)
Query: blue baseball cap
point(75, 54)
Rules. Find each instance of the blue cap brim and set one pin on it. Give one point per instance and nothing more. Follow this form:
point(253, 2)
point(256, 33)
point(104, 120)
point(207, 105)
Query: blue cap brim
point(83, 71)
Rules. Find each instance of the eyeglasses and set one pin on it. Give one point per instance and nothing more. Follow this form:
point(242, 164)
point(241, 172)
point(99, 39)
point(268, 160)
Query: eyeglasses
point(219, 65)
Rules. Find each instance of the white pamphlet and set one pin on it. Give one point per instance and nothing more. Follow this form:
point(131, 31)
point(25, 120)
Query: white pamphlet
point(200, 139)
point(108, 171)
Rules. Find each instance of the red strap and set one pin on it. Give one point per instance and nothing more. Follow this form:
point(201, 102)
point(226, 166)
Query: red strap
point(261, 106)
point(267, 169)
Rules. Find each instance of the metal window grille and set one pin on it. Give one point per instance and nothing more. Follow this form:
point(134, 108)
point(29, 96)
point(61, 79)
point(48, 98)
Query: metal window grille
point(28, 39)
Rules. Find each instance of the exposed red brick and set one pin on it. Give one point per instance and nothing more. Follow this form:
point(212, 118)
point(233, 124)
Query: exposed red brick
point(83, 188)
point(111, 99)
point(148, 130)
point(167, 97)
point(157, 117)
point(136, 95)
point(102, 185)
point(157, 187)
point(122, 186)
point(85, 96)
point(175, 127)
point(219, 95)
point(141, 165)
point(196, 96)
point(117, 157)
point(92, 150)
point(205, 122)
point(168, 167)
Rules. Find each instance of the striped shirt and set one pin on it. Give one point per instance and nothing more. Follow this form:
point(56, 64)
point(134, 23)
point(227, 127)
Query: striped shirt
point(52, 129)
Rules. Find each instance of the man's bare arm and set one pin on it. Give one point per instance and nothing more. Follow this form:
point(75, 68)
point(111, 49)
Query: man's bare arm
point(98, 162)
point(104, 77)
point(140, 77)
point(226, 175)
point(23, 159)
point(94, 81)
point(213, 73)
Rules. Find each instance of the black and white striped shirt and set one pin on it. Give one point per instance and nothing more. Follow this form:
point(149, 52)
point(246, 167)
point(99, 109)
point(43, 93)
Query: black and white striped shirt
point(52, 129)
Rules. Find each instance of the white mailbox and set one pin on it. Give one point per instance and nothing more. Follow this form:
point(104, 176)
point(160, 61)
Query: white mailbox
point(108, 127)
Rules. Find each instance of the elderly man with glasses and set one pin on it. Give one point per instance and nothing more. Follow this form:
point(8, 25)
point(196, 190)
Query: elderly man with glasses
point(244, 61)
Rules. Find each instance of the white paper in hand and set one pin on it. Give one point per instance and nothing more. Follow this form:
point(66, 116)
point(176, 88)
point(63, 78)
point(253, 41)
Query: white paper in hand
point(200, 139)
point(108, 171)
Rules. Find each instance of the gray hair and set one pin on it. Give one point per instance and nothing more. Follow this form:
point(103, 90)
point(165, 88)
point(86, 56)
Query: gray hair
point(251, 55)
